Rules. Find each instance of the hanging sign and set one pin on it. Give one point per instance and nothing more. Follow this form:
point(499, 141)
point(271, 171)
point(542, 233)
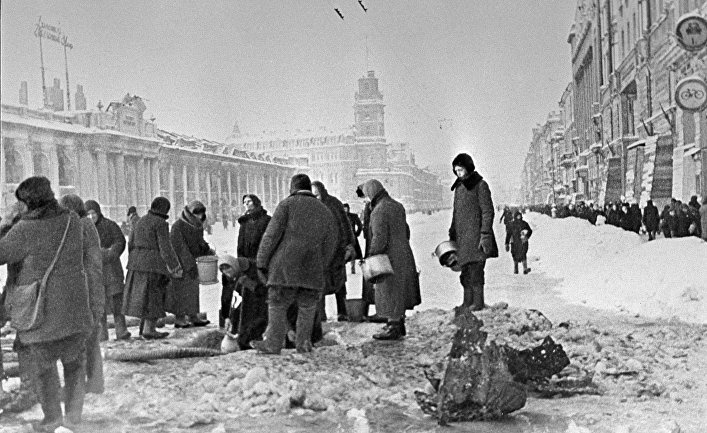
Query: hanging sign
point(691, 93)
point(691, 32)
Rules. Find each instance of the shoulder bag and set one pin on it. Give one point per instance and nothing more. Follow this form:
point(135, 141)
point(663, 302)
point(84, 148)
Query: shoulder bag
point(27, 301)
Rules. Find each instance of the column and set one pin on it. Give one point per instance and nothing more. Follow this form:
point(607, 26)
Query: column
point(101, 174)
point(147, 182)
point(140, 182)
point(120, 182)
point(156, 187)
point(54, 168)
point(197, 187)
point(261, 184)
point(229, 187)
point(278, 184)
point(170, 192)
point(247, 183)
point(219, 189)
point(185, 178)
point(208, 192)
point(2, 177)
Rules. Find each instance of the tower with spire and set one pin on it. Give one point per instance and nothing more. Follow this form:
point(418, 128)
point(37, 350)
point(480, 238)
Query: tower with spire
point(369, 117)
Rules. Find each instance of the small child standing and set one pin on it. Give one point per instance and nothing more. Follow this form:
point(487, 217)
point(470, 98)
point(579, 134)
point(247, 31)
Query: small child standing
point(517, 242)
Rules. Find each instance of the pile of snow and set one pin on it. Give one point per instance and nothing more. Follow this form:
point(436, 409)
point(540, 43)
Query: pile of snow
point(606, 267)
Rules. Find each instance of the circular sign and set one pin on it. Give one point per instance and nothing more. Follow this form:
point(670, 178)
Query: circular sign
point(691, 32)
point(691, 93)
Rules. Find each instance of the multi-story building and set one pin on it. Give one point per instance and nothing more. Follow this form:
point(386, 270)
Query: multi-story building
point(631, 140)
point(121, 159)
point(343, 160)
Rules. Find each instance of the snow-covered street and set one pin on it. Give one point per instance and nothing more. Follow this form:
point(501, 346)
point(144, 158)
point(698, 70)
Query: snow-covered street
point(616, 296)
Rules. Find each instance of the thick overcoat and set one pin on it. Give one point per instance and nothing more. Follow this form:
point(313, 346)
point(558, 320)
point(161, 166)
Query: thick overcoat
point(390, 234)
point(187, 238)
point(112, 247)
point(299, 243)
point(703, 220)
point(149, 247)
point(336, 271)
point(519, 249)
point(251, 230)
point(93, 266)
point(472, 216)
point(32, 243)
point(651, 219)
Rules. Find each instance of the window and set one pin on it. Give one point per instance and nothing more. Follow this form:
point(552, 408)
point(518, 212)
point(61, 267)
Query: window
point(14, 167)
point(41, 164)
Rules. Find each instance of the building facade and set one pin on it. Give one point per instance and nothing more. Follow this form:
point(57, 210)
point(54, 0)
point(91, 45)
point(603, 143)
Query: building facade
point(120, 159)
point(343, 160)
point(629, 138)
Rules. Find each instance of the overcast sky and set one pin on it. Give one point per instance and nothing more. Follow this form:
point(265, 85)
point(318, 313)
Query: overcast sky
point(495, 68)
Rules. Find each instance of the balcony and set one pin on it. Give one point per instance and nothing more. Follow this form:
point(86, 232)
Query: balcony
point(567, 161)
point(596, 147)
point(582, 168)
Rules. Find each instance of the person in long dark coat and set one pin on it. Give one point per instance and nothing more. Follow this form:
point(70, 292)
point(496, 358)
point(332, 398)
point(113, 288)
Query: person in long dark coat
point(636, 218)
point(336, 283)
point(293, 257)
point(517, 241)
point(33, 243)
point(651, 219)
point(472, 229)
point(187, 238)
point(703, 218)
point(356, 228)
point(133, 218)
point(94, 268)
point(253, 308)
point(390, 235)
point(250, 319)
point(112, 247)
point(625, 219)
point(151, 262)
point(367, 289)
point(506, 218)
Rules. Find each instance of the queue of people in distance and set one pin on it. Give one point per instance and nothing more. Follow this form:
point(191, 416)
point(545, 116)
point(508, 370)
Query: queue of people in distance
point(285, 264)
point(675, 220)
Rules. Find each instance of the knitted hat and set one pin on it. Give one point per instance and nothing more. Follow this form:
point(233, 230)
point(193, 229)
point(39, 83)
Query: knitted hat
point(160, 205)
point(35, 192)
point(300, 182)
point(132, 210)
point(464, 160)
point(94, 206)
point(196, 207)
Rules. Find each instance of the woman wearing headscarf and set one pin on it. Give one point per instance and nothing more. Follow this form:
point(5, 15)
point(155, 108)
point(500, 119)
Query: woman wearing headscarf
point(517, 241)
point(390, 235)
point(93, 266)
point(33, 243)
point(187, 237)
point(151, 262)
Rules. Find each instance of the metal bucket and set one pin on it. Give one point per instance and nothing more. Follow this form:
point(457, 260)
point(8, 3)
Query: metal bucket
point(208, 269)
point(443, 251)
point(376, 268)
point(354, 309)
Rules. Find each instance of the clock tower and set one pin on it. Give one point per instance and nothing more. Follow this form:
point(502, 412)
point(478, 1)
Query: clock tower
point(370, 123)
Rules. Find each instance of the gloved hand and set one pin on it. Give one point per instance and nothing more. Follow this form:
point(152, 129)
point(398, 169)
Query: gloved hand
point(179, 273)
point(508, 247)
point(486, 243)
point(451, 260)
point(263, 275)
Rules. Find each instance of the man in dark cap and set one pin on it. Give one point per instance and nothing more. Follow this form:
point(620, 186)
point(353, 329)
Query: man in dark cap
point(112, 246)
point(472, 229)
point(294, 253)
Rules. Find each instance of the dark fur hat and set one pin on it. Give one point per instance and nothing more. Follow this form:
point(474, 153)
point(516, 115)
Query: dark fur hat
point(35, 192)
point(464, 160)
point(160, 205)
point(300, 182)
point(74, 203)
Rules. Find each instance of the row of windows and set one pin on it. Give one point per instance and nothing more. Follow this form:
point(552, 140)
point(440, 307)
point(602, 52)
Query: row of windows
point(15, 170)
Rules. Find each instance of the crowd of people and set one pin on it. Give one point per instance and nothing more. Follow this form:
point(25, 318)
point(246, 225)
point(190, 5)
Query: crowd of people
point(66, 254)
point(675, 220)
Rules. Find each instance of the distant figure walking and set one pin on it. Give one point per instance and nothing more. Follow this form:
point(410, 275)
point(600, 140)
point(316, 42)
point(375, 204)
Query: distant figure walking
point(517, 239)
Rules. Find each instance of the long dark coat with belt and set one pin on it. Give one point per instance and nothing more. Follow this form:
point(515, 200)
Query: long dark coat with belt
point(299, 243)
point(150, 253)
point(32, 243)
point(252, 227)
point(390, 234)
point(651, 219)
point(472, 217)
point(112, 247)
point(187, 237)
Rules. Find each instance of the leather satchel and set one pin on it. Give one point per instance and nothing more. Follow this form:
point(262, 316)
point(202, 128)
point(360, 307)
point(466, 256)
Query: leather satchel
point(28, 300)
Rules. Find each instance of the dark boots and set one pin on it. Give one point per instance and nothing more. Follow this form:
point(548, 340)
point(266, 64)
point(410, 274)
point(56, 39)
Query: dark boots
point(394, 330)
point(515, 267)
point(478, 293)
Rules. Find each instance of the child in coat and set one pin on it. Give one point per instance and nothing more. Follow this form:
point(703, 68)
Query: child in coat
point(517, 242)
